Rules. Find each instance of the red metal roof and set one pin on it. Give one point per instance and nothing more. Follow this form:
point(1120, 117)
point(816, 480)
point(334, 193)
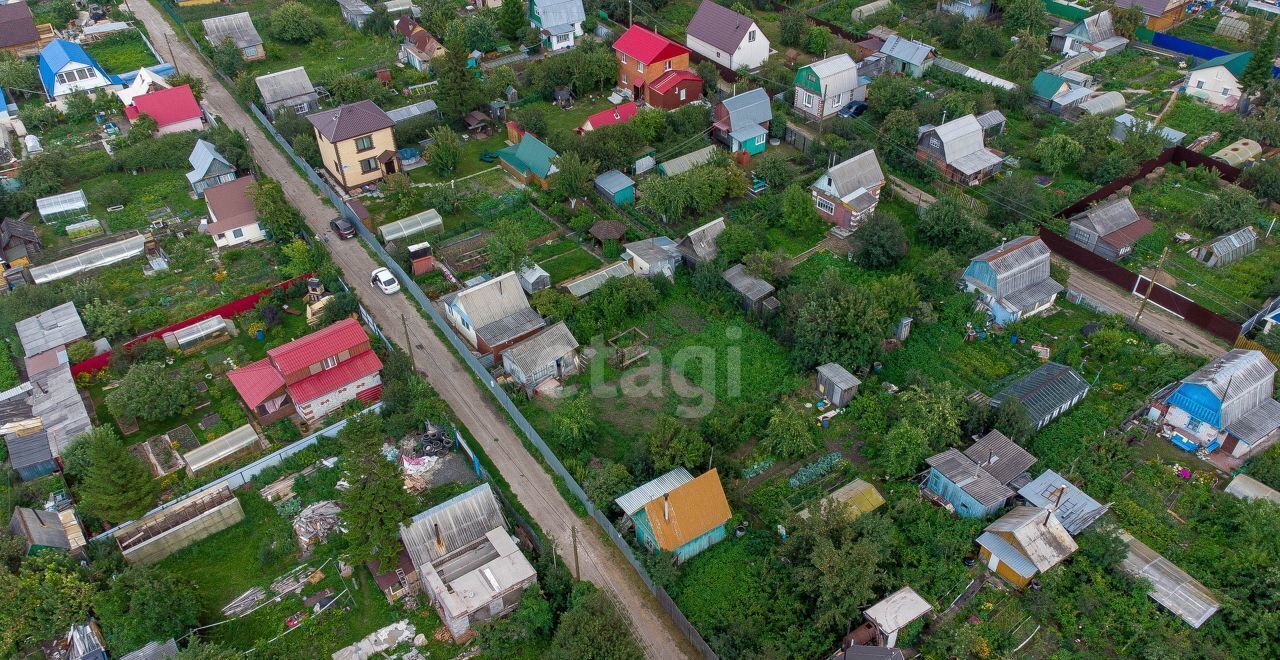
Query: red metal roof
point(670, 79)
point(617, 115)
point(648, 47)
point(348, 371)
point(315, 347)
point(1129, 234)
point(256, 381)
point(166, 106)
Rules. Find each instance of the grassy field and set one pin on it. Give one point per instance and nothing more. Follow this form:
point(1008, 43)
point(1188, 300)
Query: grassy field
point(122, 52)
point(147, 191)
point(468, 164)
point(570, 264)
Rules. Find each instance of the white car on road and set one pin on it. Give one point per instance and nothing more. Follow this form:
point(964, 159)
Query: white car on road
point(385, 281)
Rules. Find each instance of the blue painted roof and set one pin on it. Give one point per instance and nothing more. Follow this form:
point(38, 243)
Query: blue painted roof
point(1199, 401)
point(57, 54)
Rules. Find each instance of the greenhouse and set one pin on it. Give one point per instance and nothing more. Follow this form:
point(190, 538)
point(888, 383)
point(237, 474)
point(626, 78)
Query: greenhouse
point(414, 224)
point(236, 443)
point(62, 206)
point(199, 335)
point(88, 260)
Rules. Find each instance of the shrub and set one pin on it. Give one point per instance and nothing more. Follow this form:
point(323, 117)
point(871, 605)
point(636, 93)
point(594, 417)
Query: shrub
point(80, 350)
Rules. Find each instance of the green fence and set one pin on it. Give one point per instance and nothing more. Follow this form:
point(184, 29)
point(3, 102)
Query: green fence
point(1065, 11)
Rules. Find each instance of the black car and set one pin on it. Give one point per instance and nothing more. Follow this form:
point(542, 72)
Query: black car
point(853, 109)
point(342, 228)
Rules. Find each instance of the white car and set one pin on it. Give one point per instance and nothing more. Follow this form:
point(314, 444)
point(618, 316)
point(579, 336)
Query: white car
point(384, 280)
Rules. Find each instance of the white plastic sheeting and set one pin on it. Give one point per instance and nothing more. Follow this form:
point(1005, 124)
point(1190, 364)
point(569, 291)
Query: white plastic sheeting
point(416, 223)
point(95, 258)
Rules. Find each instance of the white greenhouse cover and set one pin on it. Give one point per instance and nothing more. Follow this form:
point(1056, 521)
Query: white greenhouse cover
point(418, 222)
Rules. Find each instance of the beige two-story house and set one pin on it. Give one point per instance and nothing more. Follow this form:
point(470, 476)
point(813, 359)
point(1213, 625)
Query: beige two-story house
point(356, 143)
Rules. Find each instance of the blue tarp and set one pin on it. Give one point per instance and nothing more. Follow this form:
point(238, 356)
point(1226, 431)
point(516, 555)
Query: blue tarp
point(1183, 443)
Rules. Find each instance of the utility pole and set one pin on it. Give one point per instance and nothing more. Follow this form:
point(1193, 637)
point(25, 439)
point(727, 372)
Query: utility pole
point(1151, 284)
point(408, 342)
point(577, 571)
point(172, 60)
point(629, 18)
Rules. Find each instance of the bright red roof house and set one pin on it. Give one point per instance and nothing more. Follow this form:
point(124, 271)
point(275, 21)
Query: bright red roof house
point(312, 375)
point(174, 109)
point(644, 57)
point(619, 114)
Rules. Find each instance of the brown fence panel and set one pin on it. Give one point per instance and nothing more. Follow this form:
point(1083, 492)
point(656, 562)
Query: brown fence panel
point(1107, 270)
point(1178, 154)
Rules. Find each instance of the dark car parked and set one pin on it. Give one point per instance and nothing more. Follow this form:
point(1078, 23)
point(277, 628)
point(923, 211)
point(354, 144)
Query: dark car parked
point(853, 109)
point(342, 228)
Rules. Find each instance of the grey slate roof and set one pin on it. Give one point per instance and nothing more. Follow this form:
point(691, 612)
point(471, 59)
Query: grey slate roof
point(1074, 509)
point(839, 376)
point(962, 145)
point(749, 108)
point(635, 500)
point(1031, 295)
point(746, 284)
point(1170, 586)
point(1258, 422)
point(50, 329)
point(493, 300)
point(510, 327)
point(56, 401)
point(202, 157)
point(589, 282)
point(28, 450)
point(614, 181)
point(1001, 457)
point(853, 177)
point(1099, 26)
point(39, 527)
point(719, 26)
point(700, 244)
point(906, 50)
point(1044, 390)
point(452, 524)
point(963, 472)
point(154, 651)
point(285, 85)
point(1107, 217)
point(557, 13)
point(542, 349)
point(350, 121)
point(681, 164)
point(1040, 535)
point(1015, 255)
point(652, 250)
point(991, 118)
point(238, 27)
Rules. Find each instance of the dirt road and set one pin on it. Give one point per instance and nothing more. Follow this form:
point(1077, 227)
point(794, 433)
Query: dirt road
point(600, 562)
point(1155, 322)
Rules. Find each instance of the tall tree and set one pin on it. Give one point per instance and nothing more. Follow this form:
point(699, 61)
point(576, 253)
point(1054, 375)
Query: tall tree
point(456, 90)
point(144, 604)
point(882, 242)
point(149, 392)
point(593, 629)
point(278, 216)
point(42, 601)
point(1058, 152)
point(1024, 58)
point(117, 486)
point(790, 433)
point(672, 444)
point(512, 20)
point(1258, 71)
point(508, 247)
point(376, 503)
point(899, 453)
point(573, 180)
point(1024, 15)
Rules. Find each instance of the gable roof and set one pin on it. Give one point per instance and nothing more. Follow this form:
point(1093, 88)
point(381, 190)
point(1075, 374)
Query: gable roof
point(256, 381)
point(1099, 26)
point(853, 177)
point(1046, 85)
point(1148, 7)
point(1170, 586)
point(446, 527)
point(1001, 457)
point(232, 204)
point(1232, 62)
point(718, 26)
point(237, 27)
point(751, 107)
point(166, 106)
point(614, 182)
point(542, 349)
point(836, 74)
point(1237, 369)
point(11, 228)
point(285, 85)
point(202, 157)
point(1014, 254)
point(1115, 222)
point(1038, 535)
point(746, 284)
point(990, 119)
point(416, 35)
point(492, 301)
point(324, 381)
point(530, 154)
point(618, 114)
point(1073, 508)
point(668, 81)
point(1044, 390)
point(50, 329)
point(647, 46)
point(17, 25)
point(652, 250)
point(960, 137)
point(556, 13)
point(39, 528)
point(682, 164)
point(636, 498)
point(852, 499)
point(57, 54)
point(350, 121)
point(688, 511)
point(907, 50)
point(700, 243)
point(315, 347)
point(973, 480)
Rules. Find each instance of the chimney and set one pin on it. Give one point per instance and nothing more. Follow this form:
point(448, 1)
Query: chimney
point(666, 506)
point(616, 114)
point(439, 541)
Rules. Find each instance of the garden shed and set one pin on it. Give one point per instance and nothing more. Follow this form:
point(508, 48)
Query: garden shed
point(50, 329)
point(57, 530)
point(754, 293)
point(836, 384)
point(551, 353)
point(64, 205)
point(896, 612)
point(1109, 229)
point(208, 168)
point(616, 187)
point(419, 222)
point(589, 282)
point(239, 29)
point(1046, 393)
point(1074, 509)
point(290, 88)
point(241, 441)
point(699, 245)
point(533, 279)
point(1227, 248)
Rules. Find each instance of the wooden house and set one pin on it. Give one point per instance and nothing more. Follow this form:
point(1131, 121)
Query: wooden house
point(552, 353)
point(20, 36)
point(559, 22)
point(49, 530)
point(975, 483)
point(1160, 15)
point(19, 241)
point(208, 168)
point(529, 161)
point(290, 89)
point(239, 30)
point(492, 315)
point(1023, 543)
point(1109, 229)
point(1013, 280)
point(754, 294)
point(846, 195)
point(1228, 404)
point(741, 122)
point(699, 245)
point(680, 516)
point(957, 149)
point(836, 384)
point(652, 257)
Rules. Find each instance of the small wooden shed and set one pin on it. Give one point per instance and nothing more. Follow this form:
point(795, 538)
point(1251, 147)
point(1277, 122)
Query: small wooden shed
point(836, 384)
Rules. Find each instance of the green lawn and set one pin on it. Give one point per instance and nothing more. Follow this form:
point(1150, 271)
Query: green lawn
point(468, 164)
point(570, 264)
point(122, 52)
point(147, 191)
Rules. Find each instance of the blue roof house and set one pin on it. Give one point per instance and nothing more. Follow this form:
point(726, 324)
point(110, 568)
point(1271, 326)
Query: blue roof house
point(1227, 404)
point(66, 68)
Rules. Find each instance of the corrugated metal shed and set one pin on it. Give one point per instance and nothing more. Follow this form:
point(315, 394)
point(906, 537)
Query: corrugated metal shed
point(1170, 586)
point(1009, 555)
point(635, 500)
point(1045, 391)
point(29, 450)
point(747, 285)
point(1001, 457)
point(906, 50)
point(452, 524)
point(898, 610)
point(1074, 509)
point(964, 473)
point(50, 329)
point(493, 300)
point(682, 164)
point(417, 223)
point(1246, 487)
point(533, 354)
point(614, 182)
point(839, 376)
point(700, 244)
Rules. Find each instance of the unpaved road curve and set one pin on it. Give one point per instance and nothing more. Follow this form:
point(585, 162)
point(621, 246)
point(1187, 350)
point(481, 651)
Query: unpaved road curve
point(600, 562)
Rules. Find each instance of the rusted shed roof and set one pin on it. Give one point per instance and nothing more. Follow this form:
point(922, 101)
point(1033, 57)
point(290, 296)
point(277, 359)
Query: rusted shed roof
point(1036, 533)
point(1001, 457)
point(688, 511)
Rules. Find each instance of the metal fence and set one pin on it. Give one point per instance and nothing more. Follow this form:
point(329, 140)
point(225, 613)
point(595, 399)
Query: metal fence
point(246, 474)
point(408, 285)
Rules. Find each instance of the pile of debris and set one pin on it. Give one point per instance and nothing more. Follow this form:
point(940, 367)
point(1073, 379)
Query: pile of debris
point(293, 581)
point(313, 524)
point(419, 455)
point(244, 602)
point(381, 640)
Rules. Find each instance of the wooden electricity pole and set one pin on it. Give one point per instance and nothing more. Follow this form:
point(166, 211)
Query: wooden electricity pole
point(1151, 284)
point(408, 342)
point(577, 571)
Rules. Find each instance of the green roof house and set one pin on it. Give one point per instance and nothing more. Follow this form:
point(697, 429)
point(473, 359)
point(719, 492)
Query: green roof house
point(1045, 86)
point(1216, 81)
point(529, 161)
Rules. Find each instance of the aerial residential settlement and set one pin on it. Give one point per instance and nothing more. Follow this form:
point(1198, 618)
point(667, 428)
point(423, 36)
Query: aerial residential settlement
point(659, 329)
